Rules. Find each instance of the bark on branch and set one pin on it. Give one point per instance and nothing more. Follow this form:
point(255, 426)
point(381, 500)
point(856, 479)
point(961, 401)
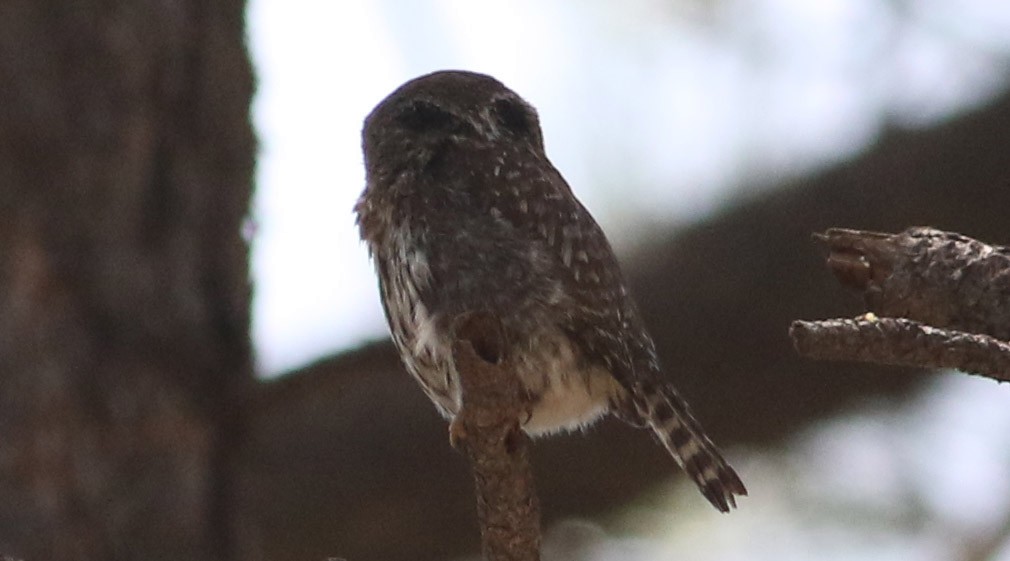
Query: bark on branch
point(486, 430)
point(952, 293)
point(902, 342)
point(938, 278)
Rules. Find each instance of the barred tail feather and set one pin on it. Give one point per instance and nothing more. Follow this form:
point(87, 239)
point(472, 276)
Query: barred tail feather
point(670, 418)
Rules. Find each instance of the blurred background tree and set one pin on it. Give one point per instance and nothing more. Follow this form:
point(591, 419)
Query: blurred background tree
point(710, 138)
point(126, 159)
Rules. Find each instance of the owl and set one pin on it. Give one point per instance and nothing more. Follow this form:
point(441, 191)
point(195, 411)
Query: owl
point(462, 212)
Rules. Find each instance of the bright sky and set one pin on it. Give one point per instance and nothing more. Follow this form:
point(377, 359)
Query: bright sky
point(655, 112)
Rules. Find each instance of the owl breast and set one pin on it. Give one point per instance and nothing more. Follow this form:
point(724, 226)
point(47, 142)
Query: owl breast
point(423, 345)
point(565, 390)
point(568, 393)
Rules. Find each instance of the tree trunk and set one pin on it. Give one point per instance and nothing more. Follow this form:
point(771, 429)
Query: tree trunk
point(126, 156)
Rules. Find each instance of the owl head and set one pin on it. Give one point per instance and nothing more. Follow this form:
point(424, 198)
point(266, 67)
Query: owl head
point(433, 113)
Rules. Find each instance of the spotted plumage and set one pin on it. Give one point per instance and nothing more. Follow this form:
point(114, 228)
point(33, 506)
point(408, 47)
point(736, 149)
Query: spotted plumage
point(463, 211)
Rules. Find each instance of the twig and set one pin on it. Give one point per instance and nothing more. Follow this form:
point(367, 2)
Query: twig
point(486, 430)
point(902, 342)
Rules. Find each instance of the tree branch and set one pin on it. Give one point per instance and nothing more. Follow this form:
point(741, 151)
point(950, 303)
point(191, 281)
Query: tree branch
point(939, 278)
point(952, 293)
point(486, 430)
point(902, 342)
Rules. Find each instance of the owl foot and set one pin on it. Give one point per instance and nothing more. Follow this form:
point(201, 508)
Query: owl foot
point(513, 440)
point(457, 433)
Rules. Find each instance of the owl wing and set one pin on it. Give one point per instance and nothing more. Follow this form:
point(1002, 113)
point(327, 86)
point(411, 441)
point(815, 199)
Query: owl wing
point(602, 320)
point(596, 311)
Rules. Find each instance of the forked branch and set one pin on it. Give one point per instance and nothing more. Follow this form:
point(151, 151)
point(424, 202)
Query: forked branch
point(938, 299)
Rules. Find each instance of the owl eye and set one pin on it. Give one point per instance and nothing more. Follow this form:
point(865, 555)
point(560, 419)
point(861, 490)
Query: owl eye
point(423, 115)
point(513, 116)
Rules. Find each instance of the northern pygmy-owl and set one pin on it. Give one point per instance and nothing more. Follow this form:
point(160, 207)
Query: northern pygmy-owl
point(462, 212)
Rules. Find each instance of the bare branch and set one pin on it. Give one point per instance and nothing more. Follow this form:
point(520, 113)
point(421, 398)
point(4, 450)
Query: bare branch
point(951, 292)
point(486, 430)
point(939, 278)
point(902, 342)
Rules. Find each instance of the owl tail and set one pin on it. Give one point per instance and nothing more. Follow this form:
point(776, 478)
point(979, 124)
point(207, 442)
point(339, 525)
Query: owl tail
point(670, 418)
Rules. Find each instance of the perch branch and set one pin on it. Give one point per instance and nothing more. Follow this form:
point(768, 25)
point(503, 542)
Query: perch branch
point(902, 342)
point(486, 430)
point(951, 292)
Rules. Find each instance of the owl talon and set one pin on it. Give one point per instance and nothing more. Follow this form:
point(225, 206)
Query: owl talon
point(514, 438)
point(457, 433)
point(527, 414)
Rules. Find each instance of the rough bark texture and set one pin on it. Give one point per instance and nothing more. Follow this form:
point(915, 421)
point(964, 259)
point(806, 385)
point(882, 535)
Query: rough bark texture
point(902, 342)
point(939, 278)
point(348, 452)
point(487, 431)
point(126, 156)
point(946, 298)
